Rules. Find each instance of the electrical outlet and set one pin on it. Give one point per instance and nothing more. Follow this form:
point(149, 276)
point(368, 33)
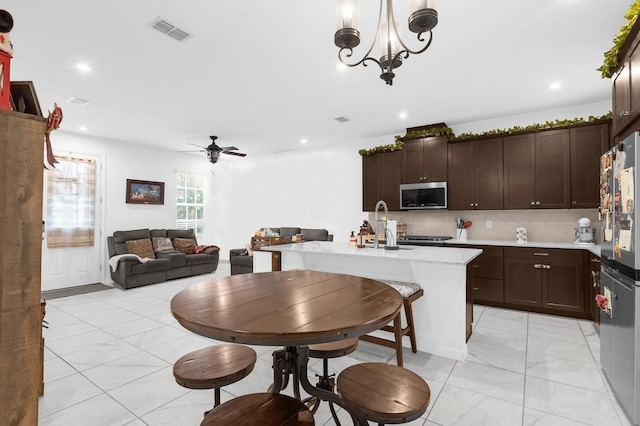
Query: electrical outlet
point(489, 224)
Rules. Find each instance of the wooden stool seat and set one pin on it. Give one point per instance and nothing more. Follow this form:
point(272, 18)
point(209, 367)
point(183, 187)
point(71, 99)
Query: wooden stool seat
point(384, 393)
point(409, 292)
point(260, 409)
point(333, 349)
point(214, 367)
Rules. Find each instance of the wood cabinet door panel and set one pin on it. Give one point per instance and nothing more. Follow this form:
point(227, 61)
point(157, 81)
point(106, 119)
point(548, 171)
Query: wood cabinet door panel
point(621, 99)
point(563, 286)
point(552, 172)
point(488, 174)
point(587, 145)
point(370, 174)
point(522, 282)
point(412, 162)
point(391, 176)
point(634, 84)
point(434, 159)
point(490, 264)
point(460, 180)
point(519, 169)
point(488, 290)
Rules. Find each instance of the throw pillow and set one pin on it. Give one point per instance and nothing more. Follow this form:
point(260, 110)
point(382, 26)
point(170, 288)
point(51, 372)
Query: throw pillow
point(162, 244)
point(184, 245)
point(141, 248)
point(249, 249)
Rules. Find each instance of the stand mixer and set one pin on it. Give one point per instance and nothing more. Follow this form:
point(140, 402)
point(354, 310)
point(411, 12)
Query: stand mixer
point(584, 232)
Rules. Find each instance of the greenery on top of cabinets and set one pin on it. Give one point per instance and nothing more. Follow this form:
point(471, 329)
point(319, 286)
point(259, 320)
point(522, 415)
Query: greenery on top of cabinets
point(436, 131)
point(537, 126)
point(382, 148)
point(611, 55)
point(448, 132)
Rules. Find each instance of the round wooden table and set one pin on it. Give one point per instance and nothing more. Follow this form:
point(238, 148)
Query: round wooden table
point(288, 308)
point(292, 309)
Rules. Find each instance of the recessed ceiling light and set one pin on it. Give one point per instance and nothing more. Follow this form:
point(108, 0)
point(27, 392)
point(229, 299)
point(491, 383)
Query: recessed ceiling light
point(303, 141)
point(555, 86)
point(341, 66)
point(83, 67)
point(402, 115)
point(83, 128)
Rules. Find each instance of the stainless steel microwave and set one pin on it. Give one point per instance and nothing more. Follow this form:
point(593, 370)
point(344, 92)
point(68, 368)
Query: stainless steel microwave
point(432, 195)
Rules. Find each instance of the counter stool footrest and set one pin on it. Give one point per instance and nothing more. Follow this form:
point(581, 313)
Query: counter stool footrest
point(410, 292)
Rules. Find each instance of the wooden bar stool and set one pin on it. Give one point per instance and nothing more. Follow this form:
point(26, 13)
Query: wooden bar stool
point(214, 367)
point(326, 381)
point(409, 292)
point(260, 409)
point(384, 393)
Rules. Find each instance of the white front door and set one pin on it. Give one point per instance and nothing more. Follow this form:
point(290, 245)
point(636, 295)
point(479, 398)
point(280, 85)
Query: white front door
point(73, 266)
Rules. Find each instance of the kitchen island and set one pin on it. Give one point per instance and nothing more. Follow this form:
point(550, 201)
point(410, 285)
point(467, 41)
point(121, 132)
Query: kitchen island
point(442, 316)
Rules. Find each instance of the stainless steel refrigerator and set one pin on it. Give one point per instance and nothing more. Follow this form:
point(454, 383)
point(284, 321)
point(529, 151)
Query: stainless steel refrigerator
point(620, 275)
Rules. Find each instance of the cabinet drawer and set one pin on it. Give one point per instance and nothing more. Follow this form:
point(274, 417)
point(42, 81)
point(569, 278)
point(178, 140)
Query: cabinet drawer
point(489, 264)
point(542, 253)
point(488, 290)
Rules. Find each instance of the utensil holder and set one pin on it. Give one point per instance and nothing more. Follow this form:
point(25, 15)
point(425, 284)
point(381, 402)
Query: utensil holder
point(462, 234)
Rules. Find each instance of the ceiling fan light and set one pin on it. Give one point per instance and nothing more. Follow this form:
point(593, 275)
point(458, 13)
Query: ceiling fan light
point(422, 15)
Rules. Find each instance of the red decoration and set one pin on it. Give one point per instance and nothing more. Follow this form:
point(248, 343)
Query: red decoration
point(5, 65)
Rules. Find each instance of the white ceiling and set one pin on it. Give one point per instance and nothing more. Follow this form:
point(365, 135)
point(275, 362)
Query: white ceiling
point(262, 74)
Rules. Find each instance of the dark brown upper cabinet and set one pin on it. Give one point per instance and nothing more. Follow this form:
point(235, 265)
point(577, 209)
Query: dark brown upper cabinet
point(588, 143)
point(424, 160)
point(626, 91)
point(381, 173)
point(537, 170)
point(475, 175)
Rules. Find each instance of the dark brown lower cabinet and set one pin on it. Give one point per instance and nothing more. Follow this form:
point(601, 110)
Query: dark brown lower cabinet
point(545, 280)
point(487, 282)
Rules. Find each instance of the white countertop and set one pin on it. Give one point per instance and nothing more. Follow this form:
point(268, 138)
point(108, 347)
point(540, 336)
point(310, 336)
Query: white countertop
point(595, 249)
point(448, 255)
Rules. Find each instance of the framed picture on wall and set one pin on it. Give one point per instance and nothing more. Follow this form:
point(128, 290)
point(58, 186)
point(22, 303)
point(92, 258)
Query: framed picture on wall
point(144, 192)
point(24, 98)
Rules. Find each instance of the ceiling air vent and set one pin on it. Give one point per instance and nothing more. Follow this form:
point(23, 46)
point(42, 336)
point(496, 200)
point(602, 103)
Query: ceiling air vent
point(169, 29)
point(341, 119)
point(78, 101)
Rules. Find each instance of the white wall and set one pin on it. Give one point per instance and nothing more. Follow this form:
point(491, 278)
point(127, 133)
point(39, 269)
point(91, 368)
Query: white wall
point(310, 188)
point(122, 161)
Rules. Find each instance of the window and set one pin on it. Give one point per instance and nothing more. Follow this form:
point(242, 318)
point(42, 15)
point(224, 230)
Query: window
point(190, 201)
point(71, 188)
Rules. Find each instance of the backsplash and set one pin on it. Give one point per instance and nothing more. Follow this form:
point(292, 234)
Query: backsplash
point(542, 225)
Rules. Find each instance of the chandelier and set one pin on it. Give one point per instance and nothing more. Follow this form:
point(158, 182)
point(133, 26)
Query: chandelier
point(422, 19)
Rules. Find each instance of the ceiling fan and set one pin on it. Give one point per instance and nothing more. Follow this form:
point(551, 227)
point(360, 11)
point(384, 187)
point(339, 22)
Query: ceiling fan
point(213, 150)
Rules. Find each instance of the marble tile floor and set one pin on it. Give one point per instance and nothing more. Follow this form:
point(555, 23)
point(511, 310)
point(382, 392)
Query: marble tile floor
point(109, 355)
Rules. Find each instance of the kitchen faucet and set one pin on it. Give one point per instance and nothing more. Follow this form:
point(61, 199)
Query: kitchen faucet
point(375, 229)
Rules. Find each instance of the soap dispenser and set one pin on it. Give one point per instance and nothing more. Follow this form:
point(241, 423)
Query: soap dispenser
point(352, 240)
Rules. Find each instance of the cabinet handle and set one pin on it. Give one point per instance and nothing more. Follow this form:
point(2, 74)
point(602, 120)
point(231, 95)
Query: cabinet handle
point(574, 202)
point(625, 113)
point(537, 203)
point(595, 260)
point(476, 289)
point(475, 266)
point(541, 254)
point(471, 204)
point(476, 204)
point(533, 203)
point(593, 279)
point(541, 266)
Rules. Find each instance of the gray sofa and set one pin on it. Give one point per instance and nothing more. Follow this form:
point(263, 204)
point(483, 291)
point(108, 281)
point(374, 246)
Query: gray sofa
point(242, 263)
point(169, 263)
